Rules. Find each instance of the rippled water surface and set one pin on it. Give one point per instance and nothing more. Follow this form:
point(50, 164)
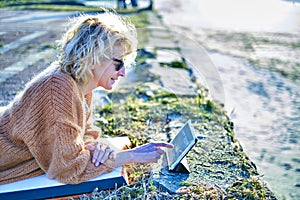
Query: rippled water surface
point(266, 112)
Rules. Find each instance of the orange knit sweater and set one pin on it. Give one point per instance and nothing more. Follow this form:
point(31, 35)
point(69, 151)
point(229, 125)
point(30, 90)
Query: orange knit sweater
point(45, 129)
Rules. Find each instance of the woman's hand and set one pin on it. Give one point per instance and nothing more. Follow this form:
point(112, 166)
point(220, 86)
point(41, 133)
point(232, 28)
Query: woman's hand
point(150, 152)
point(147, 153)
point(100, 153)
point(152, 147)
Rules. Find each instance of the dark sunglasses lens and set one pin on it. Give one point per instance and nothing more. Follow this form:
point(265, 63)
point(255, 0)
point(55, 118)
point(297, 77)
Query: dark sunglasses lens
point(120, 66)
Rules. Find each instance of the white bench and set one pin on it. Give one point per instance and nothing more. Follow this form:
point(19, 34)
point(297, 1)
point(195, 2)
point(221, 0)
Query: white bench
point(41, 187)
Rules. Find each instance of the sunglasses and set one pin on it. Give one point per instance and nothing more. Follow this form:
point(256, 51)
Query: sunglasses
point(120, 66)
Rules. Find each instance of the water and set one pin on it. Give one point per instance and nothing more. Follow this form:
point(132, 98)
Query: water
point(240, 15)
point(267, 120)
point(264, 106)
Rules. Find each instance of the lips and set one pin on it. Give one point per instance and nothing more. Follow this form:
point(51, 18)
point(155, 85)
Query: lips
point(113, 80)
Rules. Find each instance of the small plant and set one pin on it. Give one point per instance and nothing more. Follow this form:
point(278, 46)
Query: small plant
point(49, 46)
point(209, 106)
point(250, 188)
point(175, 64)
point(186, 183)
point(179, 65)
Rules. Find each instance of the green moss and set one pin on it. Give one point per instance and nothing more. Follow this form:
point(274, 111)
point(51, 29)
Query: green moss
point(140, 20)
point(186, 183)
point(164, 96)
point(253, 62)
point(49, 46)
point(70, 6)
point(106, 110)
point(250, 188)
point(179, 64)
point(209, 106)
point(295, 45)
point(175, 64)
point(2, 44)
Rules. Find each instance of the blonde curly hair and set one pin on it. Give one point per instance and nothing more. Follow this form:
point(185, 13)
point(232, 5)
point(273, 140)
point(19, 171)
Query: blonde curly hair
point(92, 37)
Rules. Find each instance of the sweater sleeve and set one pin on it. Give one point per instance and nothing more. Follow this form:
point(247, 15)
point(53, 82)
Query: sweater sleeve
point(57, 127)
point(71, 161)
point(92, 133)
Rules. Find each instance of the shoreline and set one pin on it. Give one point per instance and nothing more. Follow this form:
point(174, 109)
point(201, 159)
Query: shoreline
point(260, 66)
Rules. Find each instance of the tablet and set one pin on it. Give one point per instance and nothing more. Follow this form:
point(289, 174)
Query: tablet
point(184, 140)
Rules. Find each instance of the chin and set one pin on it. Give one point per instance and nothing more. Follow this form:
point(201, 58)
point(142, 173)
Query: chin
point(108, 87)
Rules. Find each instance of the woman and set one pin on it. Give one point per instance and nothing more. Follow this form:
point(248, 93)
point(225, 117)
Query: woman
point(46, 130)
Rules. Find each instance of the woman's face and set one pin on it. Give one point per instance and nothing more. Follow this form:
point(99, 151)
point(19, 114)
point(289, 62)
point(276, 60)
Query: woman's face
point(107, 74)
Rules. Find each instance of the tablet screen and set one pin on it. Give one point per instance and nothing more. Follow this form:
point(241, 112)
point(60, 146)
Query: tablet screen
point(183, 142)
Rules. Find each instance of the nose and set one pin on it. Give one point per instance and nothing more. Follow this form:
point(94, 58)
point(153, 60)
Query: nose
point(122, 72)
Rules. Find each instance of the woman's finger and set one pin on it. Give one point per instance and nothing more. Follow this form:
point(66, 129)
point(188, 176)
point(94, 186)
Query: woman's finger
point(157, 157)
point(99, 158)
point(90, 147)
point(96, 154)
point(153, 146)
point(162, 144)
point(112, 155)
point(160, 151)
point(106, 154)
point(153, 158)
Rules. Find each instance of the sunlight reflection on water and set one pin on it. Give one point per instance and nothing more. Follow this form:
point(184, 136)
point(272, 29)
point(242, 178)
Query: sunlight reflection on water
point(251, 15)
point(266, 121)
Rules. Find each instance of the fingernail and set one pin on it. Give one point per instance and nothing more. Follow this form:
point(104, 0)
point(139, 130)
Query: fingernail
point(93, 160)
point(97, 164)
